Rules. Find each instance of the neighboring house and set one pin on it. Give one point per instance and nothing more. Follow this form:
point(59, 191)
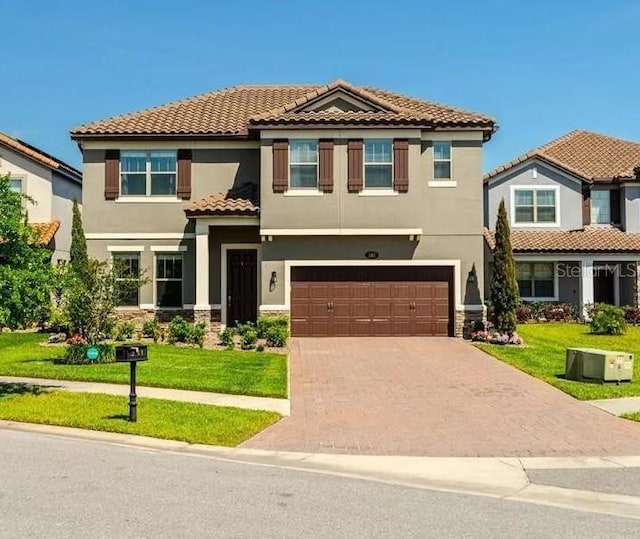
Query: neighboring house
point(50, 185)
point(355, 210)
point(574, 210)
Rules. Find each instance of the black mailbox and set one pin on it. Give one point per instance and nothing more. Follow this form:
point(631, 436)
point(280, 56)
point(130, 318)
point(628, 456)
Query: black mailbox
point(131, 352)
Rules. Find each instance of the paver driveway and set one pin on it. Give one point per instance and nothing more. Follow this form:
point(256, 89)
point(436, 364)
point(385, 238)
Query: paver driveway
point(436, 397)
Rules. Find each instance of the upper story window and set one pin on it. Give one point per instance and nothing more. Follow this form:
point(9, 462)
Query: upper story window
point(535, 206)
point(442, 160)
point(601, 207)
point(378, 164)
point(148, 173)
point(303, 164)
point(128, 275)
point(15, 184)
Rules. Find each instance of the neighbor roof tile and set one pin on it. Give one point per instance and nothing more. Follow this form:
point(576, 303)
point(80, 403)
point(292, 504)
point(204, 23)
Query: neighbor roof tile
point(590, 156)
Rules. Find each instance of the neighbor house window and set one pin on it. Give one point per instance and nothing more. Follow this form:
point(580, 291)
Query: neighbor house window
point(303, 164)
point(535, 279)
point(442, 160)
point(169, 280)
point(148, 173)
point(15, 184)
point(378, 164)
point(128, 268)
point(535, 206)
point(601, 207)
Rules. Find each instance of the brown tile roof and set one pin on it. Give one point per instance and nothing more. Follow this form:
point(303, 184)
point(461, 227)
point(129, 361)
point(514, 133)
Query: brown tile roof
point(591, 239)
point(241, 200)
point(233, 111)
point(44, 232)
point(590, 156)
point(41, 157)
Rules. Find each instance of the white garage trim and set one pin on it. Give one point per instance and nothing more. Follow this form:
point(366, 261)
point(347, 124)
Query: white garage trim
point(288, 264)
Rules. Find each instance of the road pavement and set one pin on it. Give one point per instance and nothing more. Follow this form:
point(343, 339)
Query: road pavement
point(64, 487)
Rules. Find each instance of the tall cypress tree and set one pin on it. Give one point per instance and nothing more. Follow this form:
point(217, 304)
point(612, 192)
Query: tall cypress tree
point(78, 253)
point(504, 286)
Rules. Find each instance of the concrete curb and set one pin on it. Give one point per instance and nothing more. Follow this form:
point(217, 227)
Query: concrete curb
point(281, 406)
point(504, 478)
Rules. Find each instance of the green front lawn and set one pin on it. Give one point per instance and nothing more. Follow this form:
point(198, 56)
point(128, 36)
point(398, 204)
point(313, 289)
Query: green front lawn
point(543, 356)
point(225, 371)
point(184, 421)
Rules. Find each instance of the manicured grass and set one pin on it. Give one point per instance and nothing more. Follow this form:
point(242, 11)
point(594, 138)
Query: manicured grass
point(543, 356)
point(225, 371)
point(635, 416)
point(188, 422)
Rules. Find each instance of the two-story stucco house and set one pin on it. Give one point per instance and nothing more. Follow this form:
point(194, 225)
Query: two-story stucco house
point(50, 186)
point(355, 210)
point(574, 209)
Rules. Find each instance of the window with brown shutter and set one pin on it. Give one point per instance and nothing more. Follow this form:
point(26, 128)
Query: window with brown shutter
point(184, 174)
point(111, 174)
point(325, 172)
point(280, 166)
point(355, 166)
point(401, 165)
point(586, 205)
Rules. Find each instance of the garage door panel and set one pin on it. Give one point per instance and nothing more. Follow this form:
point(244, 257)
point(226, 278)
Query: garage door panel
point(371, 301)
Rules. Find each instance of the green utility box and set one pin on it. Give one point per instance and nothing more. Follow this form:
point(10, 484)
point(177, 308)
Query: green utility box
point(602, 365)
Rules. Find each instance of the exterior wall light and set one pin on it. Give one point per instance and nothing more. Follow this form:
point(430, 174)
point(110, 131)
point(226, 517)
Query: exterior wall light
point(273, 281)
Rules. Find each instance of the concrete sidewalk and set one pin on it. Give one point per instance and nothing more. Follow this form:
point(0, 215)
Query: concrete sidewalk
point(281, 406)
point(624, 405)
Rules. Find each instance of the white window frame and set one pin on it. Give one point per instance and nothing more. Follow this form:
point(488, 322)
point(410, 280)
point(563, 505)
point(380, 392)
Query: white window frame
point(18, 178)
point(159, 254)
point(554, 297)
point(316, 188)
point(512, 206)
point(148, 172)
point(388, 189)
point(591, 207)
point(120, 253)
point(450, 161)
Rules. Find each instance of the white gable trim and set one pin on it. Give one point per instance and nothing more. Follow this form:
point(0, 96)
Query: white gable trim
point(339, 93)
point(515, 169)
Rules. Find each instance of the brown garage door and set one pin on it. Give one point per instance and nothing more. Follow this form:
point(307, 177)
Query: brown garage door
point(371, 301)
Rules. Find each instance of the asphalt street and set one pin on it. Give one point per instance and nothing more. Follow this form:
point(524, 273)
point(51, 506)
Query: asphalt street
point(62, 487)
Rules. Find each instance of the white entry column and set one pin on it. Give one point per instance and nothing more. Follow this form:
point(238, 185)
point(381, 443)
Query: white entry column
point(586, 284)
point(202, 267)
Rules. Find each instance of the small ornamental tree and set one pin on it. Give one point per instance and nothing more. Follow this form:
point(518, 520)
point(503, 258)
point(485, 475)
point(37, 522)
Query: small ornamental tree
point(504, 286)
point(25, 265)
point(79, 258)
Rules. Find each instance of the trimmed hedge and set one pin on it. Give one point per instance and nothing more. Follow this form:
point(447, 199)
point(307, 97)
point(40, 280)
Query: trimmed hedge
point(76, 354)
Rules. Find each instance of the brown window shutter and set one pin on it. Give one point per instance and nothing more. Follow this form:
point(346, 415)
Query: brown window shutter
point(355, 166)
point(325, 166)
point(111, 174)
point(280, 166)
point(586, 205)
point(614, 200)
point(184, 174)
point(401, 165)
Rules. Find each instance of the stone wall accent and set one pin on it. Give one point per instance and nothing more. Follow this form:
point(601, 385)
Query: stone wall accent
point(464, 322)
point(138, 316)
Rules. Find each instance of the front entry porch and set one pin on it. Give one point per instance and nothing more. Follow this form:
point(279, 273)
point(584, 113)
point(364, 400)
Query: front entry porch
point(579, 280)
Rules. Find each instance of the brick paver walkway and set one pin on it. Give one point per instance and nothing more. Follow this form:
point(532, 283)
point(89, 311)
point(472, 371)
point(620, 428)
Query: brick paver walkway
point(432, 397)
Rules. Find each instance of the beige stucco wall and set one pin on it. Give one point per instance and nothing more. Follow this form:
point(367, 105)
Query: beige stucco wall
point(36, 183)
point(213, 170)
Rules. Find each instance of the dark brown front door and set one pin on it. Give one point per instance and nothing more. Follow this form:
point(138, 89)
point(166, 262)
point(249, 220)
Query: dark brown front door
point(603, 285)
point(242, 286)
point(375, 301)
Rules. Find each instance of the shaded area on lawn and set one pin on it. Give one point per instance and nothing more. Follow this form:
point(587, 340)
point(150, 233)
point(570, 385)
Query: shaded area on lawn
point(543, 356)
point(188, 422)
point(9, 389)
point(261, 374)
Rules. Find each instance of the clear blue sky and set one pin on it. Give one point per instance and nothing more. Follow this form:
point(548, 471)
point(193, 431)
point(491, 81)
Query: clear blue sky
point(541, 68)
